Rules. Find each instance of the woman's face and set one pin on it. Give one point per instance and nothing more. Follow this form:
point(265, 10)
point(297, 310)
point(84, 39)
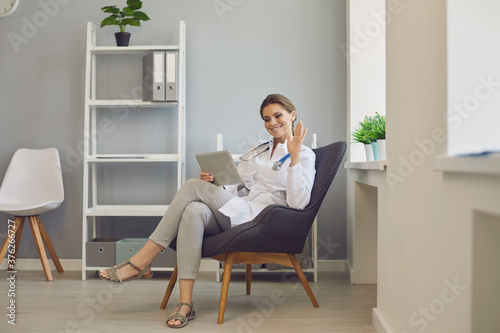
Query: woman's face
point(278, 121)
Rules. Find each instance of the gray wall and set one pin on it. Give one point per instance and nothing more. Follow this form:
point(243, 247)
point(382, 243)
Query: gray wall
point(234, 60)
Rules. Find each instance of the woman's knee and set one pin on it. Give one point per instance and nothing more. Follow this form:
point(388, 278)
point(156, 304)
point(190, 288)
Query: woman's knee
point(191, 186)
point(196, 211)
point(193, 182)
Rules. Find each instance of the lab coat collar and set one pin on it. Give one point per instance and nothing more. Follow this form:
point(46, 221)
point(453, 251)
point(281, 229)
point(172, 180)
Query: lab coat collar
point(271, 143)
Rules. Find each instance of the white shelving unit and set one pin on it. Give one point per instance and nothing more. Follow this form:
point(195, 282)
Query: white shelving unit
point(314, 229)
point(91, 207)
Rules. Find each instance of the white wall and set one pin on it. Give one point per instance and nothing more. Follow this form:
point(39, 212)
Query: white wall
point(365, 54)
point(235, 57)
point(429, 241)
point(473, 76)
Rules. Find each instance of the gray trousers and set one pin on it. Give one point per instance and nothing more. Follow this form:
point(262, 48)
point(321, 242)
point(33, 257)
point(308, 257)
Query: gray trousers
point(194, 212)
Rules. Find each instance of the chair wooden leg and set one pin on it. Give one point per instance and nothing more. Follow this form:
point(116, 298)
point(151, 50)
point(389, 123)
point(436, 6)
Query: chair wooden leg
point(3, 248)
point(39, 246)
point(18, 230)
point(228, 267)
point(170, 288)
point(303, 279)
point(249, 277)
point(49, 245)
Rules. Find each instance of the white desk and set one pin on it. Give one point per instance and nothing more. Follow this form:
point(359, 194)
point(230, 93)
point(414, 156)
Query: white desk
point(366, 183)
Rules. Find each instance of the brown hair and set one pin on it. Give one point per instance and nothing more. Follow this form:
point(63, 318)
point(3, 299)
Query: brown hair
point(283, 101)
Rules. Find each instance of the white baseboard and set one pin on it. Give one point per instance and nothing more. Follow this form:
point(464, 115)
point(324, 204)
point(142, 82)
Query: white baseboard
point(207, 265)
point(76, 265)
point(331, 265)
point(36, 265)
point(323, 265)
point(349, 271)
point(378, 321)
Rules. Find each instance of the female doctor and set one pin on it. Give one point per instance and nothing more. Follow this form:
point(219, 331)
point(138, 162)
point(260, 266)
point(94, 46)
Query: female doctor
point(278, 171)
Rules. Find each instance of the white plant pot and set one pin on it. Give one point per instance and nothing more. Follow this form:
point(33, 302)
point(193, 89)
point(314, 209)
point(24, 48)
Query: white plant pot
point(381, 149)
point(369, 152)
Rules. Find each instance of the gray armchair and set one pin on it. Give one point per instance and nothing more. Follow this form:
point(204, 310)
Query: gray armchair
point(274, 236)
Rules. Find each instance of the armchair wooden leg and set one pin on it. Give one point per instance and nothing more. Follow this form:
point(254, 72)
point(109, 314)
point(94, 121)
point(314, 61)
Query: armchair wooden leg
point(18, 230)
point(228, 267)
point(39, 246)
point(303, 279)
point(170, 288)
point(49, 245)
point(249, 277)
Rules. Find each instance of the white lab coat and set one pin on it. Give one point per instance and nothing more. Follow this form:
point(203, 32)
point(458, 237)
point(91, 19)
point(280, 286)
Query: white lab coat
point(290, 186)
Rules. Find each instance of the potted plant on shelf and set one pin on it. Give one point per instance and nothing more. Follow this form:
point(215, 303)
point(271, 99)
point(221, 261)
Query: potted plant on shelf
point(378, 134)
point(371, 133)
point(362, 134)
point(129, 15)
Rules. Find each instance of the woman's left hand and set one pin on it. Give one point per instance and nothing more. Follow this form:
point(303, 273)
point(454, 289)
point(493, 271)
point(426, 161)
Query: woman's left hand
point(206, 177)
point(294, 144)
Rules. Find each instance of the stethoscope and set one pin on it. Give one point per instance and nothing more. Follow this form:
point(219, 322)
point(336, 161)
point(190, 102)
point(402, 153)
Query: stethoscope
point(278, 164)
point(252, 154)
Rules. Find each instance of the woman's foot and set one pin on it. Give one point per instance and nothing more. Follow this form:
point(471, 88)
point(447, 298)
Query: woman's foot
point(127, 270)
point(114, 274)
point(183, 309)
point(140, 260)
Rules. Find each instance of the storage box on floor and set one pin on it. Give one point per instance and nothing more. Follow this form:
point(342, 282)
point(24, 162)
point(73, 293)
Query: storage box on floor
point(106, 252)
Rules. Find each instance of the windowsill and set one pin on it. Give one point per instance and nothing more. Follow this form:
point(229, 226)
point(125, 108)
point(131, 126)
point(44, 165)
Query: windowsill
point(372, 165)
point(482, 165)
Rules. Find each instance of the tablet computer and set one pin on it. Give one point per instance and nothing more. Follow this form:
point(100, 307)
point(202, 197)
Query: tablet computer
point(220, 164)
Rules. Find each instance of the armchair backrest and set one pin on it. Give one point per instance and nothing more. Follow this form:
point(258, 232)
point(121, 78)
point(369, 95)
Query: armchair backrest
point(328, 161)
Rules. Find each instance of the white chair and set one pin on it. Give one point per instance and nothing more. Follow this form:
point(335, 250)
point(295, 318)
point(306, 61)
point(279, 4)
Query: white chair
point(32, 185)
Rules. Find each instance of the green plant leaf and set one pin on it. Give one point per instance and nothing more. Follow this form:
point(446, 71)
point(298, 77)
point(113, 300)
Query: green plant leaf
point(371, 129)
point(109, 21)
point(360, 135)
point(110, 9)
point(379, 126)
point(131, 21)
point(127, 11)
point(141, 16)
point(134, 4)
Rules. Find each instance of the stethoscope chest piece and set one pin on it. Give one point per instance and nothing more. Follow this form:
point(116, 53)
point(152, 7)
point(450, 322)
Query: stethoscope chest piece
point(278, 164)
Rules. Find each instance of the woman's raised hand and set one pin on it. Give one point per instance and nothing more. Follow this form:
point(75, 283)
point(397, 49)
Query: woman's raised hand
point(294, 144)
point(206, 177)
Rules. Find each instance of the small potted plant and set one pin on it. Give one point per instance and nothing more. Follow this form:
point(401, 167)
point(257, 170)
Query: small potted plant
point(363, 134)
point(371, 133)
point(129, 15)
point(378, 134)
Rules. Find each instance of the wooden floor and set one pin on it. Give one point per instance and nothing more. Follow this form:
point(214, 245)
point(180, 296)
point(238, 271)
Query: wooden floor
point(69, 304)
